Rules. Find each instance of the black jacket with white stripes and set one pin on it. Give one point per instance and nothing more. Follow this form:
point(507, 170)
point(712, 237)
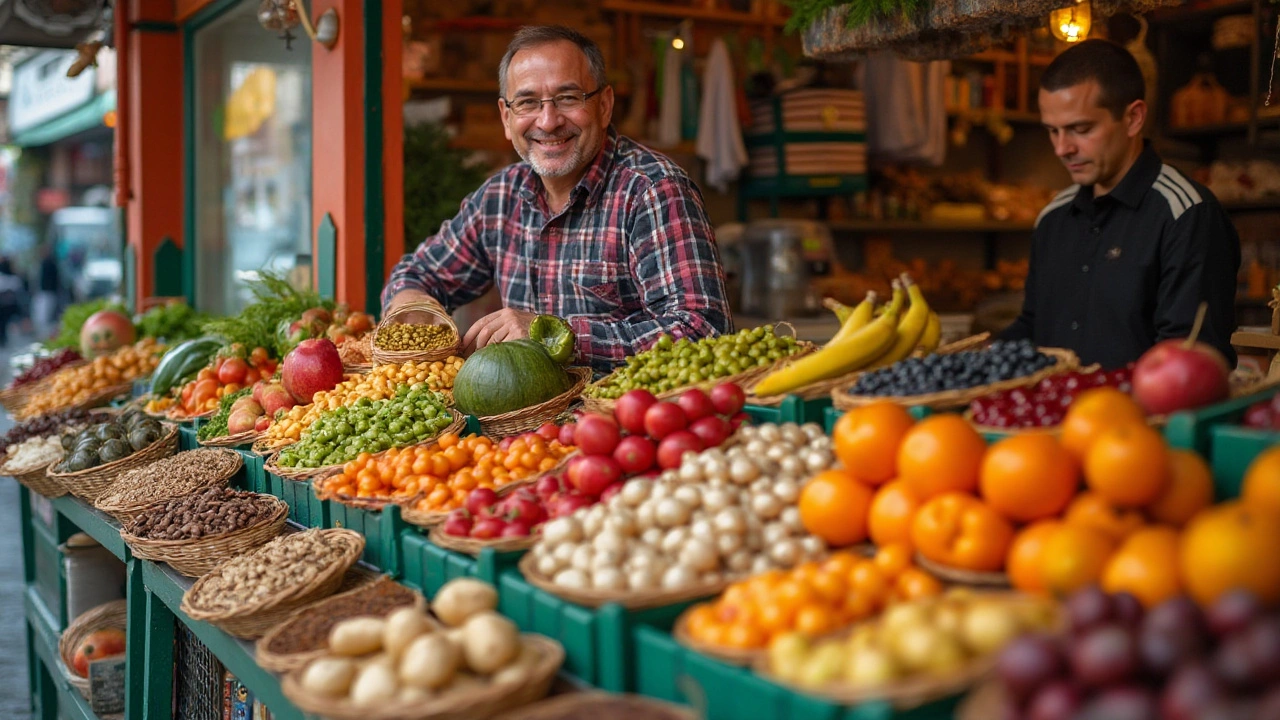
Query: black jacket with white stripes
point(1112, 276)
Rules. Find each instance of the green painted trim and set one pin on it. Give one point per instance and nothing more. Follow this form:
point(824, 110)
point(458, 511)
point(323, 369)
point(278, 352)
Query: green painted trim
point(208, 14)
point(85, 117)
point(188, 288)
point(155, 26)
point(168, 268)
point(374, 191)
point(326, 257)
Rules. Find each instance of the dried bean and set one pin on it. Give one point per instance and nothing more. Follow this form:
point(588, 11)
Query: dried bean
point(170, 477)
point(285, 562)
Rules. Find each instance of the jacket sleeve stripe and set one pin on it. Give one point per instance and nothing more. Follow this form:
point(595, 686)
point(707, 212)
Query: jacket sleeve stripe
point(1176, 204)
point(1172, 175)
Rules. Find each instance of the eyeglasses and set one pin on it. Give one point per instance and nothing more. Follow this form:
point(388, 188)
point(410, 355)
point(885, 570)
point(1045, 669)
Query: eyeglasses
point(564, 102)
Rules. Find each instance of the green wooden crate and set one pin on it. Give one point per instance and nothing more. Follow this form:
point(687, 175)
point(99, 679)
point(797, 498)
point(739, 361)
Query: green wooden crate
point(1193, 429)
point(381, 530)
point(1231, 450)
point(792, 409)
point(599, 643)
point(255, 475)
point(187, 438)
point(668, 671)
point(426, 567)
point(304, 507)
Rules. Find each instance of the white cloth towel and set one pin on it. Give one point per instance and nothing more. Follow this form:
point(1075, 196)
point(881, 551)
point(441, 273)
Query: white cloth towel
point(906, 110)
point(669, 107)
point(719, 135)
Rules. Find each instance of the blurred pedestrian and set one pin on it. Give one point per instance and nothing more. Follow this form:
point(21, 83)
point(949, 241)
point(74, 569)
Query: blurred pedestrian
point(10, 297)
point(44, 306)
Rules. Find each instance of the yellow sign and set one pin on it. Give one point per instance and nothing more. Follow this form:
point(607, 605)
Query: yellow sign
point(250, 104)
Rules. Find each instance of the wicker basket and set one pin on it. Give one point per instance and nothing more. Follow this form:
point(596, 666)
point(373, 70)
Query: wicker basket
point(473, 546)
point(89, 485)
point(745, 379)
point(98, 399)
point(13, 398)
point(600, 704)
point(530, 418)
point(824, 388)
point(484, 701)
point(126, 512)
point(422, 518)
point(272, 466)
point(287, 662)
point(957, 576)
point(35, 479)
point(629, 599)
point(950, 399)
point(396, 357)
point(727, 655)
point(251, 620)
point(196, 557)
point(248, 437)
point(114, 614)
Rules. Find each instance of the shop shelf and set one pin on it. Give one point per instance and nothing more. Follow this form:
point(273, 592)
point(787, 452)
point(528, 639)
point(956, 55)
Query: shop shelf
point(304, 507)
point(236, 656)
point(44, 638)
point(47, 562)
point(1192, 429)
point(668, 671)
point(1231, 449)
point(97, 524)
point(599, 643)
point(793, 409)
point(381, 530)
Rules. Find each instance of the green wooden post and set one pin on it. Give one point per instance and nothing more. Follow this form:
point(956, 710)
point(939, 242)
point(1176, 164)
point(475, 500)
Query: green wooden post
point(167, 269)
point(136, 632)
point(326, 257)
point(158, 674)
point(28, 536)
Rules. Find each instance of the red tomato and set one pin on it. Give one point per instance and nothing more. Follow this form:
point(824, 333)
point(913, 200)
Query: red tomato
point(206, 373)
point(205, 389)
point(186, 392)
point(251, 376)
point(258, 357)
point(233, 370)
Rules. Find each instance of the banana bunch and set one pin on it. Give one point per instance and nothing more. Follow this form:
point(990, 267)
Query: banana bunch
point(866, 340)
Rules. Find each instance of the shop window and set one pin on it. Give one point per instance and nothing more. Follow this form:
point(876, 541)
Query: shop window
point(252, 158)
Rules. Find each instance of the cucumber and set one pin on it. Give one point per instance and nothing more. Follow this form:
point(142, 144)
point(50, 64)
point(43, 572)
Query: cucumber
point(182, 360)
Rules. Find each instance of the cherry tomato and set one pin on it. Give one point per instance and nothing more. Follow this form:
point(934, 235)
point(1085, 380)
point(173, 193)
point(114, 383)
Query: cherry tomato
point(204, 391)
point(233, 370)
point(251, 376)
point(186, 392)
point(206, 373)
point(258, 357)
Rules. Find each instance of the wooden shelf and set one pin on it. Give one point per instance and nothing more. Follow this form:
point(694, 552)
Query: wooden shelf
point(656, 9)
point(979, 115)
point(1197, 17)
point(931, 226)
point(454, 85)
point(1264, 205)
point(1039, 59)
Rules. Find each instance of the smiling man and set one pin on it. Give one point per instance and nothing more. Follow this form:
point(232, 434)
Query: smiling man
point(1123, 258)
point(591, 227)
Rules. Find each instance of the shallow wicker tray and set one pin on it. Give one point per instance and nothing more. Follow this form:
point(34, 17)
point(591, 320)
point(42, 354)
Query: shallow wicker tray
point(36, 480)
point(108, 615)
point(248, 437)
point(251, 620)
point(729, 656)
point(98, 399)
point(957, 576)
point(629, 599)
point(530, 418)
point(127, 513)
point(473, 546)
point(396, 357)
point(601, 704)
point(424, 519)
point(194, 558)
point(459, 422)
point(470, 704)
point(823, 388)
point(745, 379)
point(13, 398)
point(948, 399)
point(89, 485)
point(287, 662)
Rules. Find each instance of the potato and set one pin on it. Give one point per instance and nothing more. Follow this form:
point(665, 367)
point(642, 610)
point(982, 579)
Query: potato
point(519, 670)
point(460, 599)
point(329, 676)
point(357, 636)
point(430, 662)
point(401, 628)
point(375, 685)
point(490, 642)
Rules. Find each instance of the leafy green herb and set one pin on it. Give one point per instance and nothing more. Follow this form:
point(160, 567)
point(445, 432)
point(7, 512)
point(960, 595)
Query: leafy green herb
point(857, 12)
point(275, 301)
point(174, 323)
point(217, 425)
point(436, 179)
point(74, 317)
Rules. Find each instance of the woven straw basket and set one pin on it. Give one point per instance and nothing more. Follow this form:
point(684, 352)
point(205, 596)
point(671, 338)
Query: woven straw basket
point(602, 705)
point(196, 557)
point(272, 463)
point(248, 437)
point(425, 519)
point(629, 599)
point(530, 418)
point(35, 479)
point(727, 655)
point(473, 546)
point(108, 615)
point(396, 357)
point(126, 512)
point(91, 484)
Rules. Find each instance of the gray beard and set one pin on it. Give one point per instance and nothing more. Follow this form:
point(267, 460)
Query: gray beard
point(574, 162)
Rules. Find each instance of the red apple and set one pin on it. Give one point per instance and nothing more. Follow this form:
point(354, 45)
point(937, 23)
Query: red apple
point(728, 398)
point(674, 446)
point(517, 528)
point(563, 505)
point(549, 431)
point(711, 430)
point(696, 404)
point(664, 418)
point(567, 434)
point(738, 418)
point(597, 435)
point(480, 500)
point(593, 473)
point(547, 486)
point(458, 523)
point(523, 509)
point(635, 453)
point(630, 409)
point(262, 423)
point(487, 528)
point(1177, 375)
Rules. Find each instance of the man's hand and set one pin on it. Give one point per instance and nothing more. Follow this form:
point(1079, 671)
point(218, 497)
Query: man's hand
point(405, 297)
point(506, 324)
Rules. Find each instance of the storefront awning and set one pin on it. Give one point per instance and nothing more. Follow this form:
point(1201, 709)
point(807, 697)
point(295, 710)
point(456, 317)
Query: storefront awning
point(85, 117)
point(40, 23)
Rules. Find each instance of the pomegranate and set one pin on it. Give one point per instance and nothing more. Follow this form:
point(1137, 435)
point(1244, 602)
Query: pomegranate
point(311, 367)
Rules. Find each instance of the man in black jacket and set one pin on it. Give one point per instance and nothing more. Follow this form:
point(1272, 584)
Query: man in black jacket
point(1123, 258)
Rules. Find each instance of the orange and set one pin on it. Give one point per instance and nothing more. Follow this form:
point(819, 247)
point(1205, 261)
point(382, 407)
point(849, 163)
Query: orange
point(1029, 477)
point(889, 519)
point(1231, 546)
point(775, 618)
point(1074, 556)
point(1128, 465)
point(940, 454)
point(744, 637)
point(1261, 486)
point(1092, 413)
point(814, 619)
point(915, 583)
point(1026, 554)
point(866, 440)
point(1190, 489)
point(701, 617)
point(831, 587)
point(1090, 509)
point(1146, 566)
point(834, 506)
point(961, 531)
point(893, 559)
point(869, 581)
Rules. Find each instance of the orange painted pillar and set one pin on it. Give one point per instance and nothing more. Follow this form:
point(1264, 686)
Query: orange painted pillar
point(152, 80)
point(392, 134)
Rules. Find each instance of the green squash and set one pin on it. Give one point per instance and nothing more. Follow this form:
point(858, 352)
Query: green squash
point(508, 376)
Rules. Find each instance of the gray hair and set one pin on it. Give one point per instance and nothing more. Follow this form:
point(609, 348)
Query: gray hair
point(535, 35)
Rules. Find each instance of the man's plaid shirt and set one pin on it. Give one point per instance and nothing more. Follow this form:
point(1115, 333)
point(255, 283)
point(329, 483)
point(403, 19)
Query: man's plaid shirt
point(629, 258)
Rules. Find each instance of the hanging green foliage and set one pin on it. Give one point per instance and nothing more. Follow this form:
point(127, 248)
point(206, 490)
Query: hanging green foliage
point(857, 12)
point(436, 179)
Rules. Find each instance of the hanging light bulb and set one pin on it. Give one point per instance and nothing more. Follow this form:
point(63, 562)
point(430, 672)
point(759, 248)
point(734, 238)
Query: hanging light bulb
point(1071, 24)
